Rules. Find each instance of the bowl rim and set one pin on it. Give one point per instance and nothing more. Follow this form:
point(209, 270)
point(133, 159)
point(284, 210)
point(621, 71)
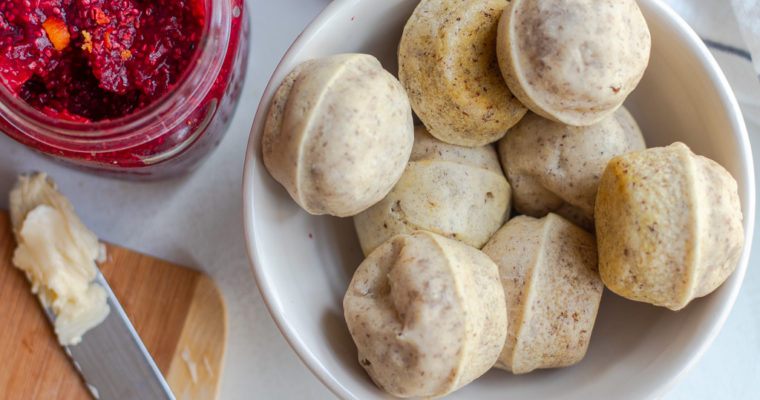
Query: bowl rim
point(695, 43)
point(289, 333)
point(678, 25)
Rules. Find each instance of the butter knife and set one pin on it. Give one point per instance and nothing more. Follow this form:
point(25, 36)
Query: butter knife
point(113, 360)
point(59, 254)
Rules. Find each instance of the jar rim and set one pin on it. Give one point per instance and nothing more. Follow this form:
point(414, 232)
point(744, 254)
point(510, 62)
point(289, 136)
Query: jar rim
point(145, 124)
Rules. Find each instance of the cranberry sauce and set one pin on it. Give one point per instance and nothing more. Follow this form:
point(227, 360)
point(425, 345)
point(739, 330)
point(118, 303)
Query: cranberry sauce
point(92, 60)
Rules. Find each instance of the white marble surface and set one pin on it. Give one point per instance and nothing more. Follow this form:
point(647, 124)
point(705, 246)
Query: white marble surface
point(196, 221)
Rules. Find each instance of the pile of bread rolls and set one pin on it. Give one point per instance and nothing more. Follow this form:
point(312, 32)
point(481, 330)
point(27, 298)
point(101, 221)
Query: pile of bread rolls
point(521, 106)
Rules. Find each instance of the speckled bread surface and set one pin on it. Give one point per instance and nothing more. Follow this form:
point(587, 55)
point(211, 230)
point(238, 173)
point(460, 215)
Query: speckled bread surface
point(552, 288)
point(669, 226)
point(458, 192)
point(426, 314)
point(447, 63)
point(573, 61)
point(338, 134)
point(553, 167)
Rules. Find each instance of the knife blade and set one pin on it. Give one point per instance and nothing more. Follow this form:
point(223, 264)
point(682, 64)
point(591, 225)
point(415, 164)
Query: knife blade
point(112, 358)
point(59, 256)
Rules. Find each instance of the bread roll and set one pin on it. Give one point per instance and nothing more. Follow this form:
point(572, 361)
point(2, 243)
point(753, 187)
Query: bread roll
point(427, 315)
point(552, 288)
point(458, 192)
point(554, 167)
point(668, 224)
point(338, 134)
point(447, 63)
point(573, 61)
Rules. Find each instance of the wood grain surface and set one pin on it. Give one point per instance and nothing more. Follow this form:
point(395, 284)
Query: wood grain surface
point(178, 312)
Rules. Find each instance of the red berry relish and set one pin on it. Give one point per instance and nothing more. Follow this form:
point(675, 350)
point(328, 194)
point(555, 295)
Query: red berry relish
point(97, 68)
point(96, 59)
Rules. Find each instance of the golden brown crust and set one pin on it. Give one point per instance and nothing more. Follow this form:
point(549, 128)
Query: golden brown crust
point(668, 224)
point(447, 63)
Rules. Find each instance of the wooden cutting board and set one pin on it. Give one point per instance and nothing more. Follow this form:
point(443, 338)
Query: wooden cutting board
point(178, 312)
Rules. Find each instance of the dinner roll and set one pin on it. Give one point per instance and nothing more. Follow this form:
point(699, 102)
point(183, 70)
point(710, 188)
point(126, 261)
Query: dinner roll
point(554, 167)
point(427, 315)
point(552, 289)
point(447, 63)
point(573, 61)
point(458, 192)
point(668, 225)
point(338, 134)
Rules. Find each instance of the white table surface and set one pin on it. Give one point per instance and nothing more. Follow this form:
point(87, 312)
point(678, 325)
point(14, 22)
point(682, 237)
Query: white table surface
point(196, 221)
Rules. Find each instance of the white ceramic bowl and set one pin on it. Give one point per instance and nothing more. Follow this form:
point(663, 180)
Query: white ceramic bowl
point(303, 263)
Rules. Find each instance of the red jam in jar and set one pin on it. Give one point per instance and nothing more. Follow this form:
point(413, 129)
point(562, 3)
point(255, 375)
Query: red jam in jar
point(139, 88)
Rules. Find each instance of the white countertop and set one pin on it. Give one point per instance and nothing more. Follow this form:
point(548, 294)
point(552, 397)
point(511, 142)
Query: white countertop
point(196, 221)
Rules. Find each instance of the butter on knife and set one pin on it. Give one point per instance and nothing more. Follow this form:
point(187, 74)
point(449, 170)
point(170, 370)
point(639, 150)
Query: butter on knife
point(58, 254)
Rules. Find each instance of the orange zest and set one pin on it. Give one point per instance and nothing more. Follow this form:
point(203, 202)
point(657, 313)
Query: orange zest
point(87, 46)
point(57, 32)
point(108, 38)
point(99, 16)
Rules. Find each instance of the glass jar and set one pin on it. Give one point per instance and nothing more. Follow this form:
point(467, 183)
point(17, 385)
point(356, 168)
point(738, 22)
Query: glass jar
point(170, 136)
